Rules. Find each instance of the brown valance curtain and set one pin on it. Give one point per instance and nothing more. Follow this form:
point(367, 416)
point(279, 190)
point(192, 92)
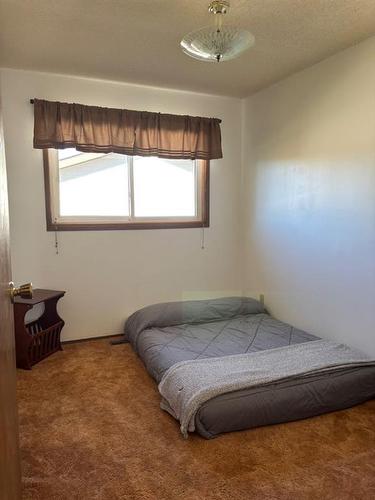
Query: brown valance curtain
point(105, 130)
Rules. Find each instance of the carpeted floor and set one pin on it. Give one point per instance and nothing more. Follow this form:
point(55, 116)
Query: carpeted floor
point(91, 428)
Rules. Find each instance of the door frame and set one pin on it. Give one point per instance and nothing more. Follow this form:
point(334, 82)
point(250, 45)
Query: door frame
point(10, 470)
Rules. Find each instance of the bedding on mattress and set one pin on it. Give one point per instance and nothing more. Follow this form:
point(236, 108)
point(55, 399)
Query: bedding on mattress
point(166, 334)
point(186, 386)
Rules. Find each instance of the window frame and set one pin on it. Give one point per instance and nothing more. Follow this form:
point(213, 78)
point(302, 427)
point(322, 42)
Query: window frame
point(87, 223)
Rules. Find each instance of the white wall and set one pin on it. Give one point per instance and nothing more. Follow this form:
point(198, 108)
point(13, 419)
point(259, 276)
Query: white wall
point(109, 274)
point(305, 232)
point(309, 168)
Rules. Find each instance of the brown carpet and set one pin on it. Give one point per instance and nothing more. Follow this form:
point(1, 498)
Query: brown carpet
point(91, 428)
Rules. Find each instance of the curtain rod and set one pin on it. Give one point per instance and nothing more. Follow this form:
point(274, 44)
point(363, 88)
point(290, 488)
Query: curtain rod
point(32, 102)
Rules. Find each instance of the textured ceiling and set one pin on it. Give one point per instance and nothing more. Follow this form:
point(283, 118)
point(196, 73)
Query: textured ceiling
point(138, 40)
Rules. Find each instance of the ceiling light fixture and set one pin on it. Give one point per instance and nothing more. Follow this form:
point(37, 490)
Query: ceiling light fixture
point(217, 43)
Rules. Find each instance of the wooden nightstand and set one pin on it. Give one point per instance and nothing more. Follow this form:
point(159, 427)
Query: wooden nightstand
point(40, 338)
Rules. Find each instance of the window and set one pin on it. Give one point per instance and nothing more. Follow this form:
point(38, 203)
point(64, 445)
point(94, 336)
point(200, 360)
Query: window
point(113, 191)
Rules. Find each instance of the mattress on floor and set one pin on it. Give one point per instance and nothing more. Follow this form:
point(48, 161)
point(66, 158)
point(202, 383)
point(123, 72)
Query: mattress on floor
point(285, 401)
point(219, 329)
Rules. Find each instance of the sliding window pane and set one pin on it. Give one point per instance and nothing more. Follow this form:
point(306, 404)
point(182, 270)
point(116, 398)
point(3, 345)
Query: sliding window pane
point(164, 188)
point(93, 184)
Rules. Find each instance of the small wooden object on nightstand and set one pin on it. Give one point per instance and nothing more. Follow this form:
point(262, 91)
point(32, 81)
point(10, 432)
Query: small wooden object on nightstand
point(40, 338)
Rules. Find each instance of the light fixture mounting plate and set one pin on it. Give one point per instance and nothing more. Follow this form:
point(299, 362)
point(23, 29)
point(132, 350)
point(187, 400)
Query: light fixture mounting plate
point(219, 6)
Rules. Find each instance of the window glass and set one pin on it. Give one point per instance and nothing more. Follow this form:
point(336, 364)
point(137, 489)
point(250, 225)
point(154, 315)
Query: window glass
point(164, 188)
point(93, 184)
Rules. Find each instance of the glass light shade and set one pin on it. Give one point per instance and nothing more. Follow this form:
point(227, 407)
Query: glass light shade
point(213, 45)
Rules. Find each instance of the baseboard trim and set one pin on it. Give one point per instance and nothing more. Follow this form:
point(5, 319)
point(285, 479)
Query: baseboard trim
point(101, 337)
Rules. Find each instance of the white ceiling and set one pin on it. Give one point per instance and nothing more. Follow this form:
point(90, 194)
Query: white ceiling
point(138, 40)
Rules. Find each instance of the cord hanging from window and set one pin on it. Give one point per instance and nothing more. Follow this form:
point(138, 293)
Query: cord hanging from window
point(202, 239)
point(56, 241)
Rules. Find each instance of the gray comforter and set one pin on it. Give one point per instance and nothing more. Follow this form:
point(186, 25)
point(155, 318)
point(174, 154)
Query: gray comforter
point(164, 334)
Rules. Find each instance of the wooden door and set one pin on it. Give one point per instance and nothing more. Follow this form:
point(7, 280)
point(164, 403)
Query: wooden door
point(9, 455)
